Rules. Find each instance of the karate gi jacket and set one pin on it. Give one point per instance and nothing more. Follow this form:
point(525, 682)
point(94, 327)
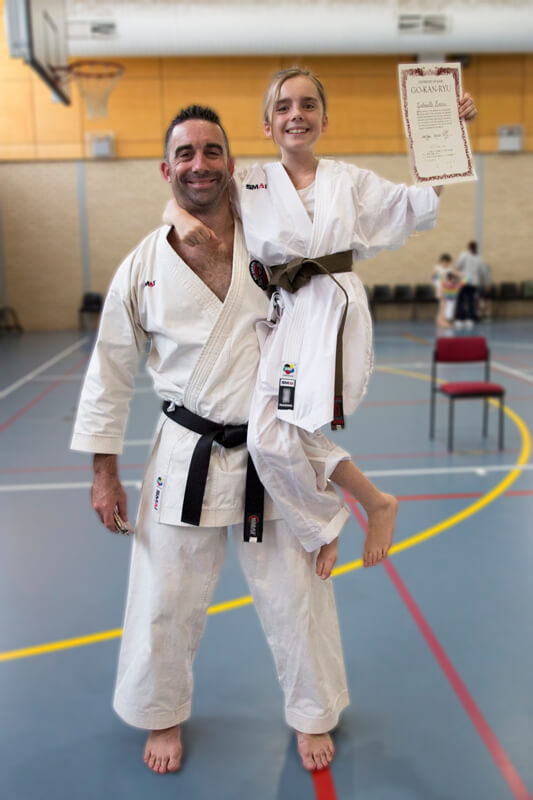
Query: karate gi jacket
point(354, 210)
point(203, 354)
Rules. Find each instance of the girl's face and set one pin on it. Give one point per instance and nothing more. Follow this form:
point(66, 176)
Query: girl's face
point(298, 117)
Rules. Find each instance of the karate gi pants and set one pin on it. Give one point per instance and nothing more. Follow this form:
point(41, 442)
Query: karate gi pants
point(174, 571)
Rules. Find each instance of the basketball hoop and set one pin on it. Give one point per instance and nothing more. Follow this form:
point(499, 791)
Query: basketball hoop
point(95, 81)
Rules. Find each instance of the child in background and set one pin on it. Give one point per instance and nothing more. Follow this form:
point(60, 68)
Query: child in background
point(439, 270)
point(450, 286)
point(305, 207)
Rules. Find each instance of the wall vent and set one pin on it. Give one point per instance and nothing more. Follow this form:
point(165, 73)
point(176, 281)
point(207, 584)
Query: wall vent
point(424, 23)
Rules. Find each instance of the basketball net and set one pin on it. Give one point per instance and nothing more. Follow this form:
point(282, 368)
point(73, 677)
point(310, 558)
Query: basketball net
point(95, 81)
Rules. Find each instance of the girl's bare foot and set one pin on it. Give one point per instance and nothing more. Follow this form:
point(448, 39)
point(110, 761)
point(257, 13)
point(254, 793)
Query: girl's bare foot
point(316, 749)
point(380, 530)
point(326, 559)
point(163, 750)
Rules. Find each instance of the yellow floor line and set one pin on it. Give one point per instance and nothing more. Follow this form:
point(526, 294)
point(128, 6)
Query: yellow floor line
point(239, 602)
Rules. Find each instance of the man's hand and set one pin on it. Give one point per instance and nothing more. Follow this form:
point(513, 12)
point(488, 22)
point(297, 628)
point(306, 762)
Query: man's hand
point(467, 108)
point(107, 492)
point(189, 229)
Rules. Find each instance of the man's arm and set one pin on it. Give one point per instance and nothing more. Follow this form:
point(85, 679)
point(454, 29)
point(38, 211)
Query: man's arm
point(107, 492)
point(188, 229)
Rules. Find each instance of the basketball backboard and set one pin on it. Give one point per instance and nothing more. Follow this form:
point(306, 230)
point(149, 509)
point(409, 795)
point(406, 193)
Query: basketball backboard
point(36, 32)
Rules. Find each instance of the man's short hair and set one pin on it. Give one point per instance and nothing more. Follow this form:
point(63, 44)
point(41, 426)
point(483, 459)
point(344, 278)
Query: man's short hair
point(195, 112)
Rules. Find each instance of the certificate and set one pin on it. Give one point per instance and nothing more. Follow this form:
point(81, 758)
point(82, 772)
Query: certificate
point(438, 140)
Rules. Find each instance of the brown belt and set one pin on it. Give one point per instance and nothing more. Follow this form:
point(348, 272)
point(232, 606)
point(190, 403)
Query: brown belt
point(297, 273)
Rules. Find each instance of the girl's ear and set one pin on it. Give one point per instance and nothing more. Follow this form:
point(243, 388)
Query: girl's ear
point(325, 122)
point(267, 127)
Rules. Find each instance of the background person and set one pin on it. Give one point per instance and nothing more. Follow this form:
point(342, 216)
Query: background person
point(470, 265)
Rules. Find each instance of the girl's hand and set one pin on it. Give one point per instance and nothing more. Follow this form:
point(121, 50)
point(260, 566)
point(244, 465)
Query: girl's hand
point(189, 229)
point(467, 108)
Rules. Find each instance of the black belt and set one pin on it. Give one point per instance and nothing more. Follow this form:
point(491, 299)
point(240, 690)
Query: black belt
point(227, 436)
point(297, 273)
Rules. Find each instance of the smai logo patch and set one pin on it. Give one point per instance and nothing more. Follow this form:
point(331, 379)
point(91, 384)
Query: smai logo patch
point(157, 497)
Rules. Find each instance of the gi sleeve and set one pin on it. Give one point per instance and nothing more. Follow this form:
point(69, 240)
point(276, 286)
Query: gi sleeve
point(388, 213)
point(108, 387)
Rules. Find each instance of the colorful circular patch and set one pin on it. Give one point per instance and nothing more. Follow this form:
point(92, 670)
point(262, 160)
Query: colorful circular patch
point(259, 274)
point(288, 369)
point(159, 482)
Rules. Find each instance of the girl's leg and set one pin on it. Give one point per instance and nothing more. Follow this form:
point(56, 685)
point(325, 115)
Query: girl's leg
point(381, 510)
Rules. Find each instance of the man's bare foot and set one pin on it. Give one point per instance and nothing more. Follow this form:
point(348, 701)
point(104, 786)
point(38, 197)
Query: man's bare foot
point(380, 530)
point(163, 750)
point(316, 749)
point(326, 559)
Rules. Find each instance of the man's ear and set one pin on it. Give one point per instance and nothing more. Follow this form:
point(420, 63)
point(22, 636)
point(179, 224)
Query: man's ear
point(267, 127)
point(231, 166)
point(165, 171)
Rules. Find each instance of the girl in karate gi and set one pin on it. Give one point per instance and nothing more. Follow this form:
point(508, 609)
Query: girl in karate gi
point(303, 206)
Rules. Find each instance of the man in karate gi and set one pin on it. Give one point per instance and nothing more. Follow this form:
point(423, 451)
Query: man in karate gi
point(197, 308)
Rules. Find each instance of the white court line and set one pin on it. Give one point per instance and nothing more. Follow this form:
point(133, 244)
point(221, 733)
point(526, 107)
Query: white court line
point(50, 487)
point(515, 345)
point(480, 470)
point(516, 373)
point(410, 364)
point(76, 376)
point(31, 375)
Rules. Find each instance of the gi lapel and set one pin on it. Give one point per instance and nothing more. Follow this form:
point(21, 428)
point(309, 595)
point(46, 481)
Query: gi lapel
point(223, 324)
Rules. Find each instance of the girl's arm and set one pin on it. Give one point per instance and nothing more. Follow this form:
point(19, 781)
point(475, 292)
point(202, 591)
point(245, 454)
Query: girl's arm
point(189, 229)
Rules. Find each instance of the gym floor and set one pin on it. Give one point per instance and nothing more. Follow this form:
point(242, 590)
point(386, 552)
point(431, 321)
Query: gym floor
point(438, 641)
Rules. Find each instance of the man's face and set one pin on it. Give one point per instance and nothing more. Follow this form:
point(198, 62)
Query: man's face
point(197, 166)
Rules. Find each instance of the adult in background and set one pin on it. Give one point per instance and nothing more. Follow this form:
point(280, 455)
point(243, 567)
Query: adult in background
point(470, 265)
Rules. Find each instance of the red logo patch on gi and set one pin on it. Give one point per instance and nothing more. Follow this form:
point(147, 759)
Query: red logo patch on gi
point(259, 274)
point(149, 283)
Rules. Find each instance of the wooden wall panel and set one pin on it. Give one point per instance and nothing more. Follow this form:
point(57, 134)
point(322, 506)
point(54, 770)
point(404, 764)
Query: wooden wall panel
point(17, 121)
point(41, 243)
point(501, 87)
point(528, 102)
point(363, 103)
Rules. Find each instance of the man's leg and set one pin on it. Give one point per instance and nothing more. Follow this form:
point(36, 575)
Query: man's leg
point(173, 574)
point(298, 614)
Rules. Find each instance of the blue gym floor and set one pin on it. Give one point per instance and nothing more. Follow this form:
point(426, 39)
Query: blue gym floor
point(438, 642)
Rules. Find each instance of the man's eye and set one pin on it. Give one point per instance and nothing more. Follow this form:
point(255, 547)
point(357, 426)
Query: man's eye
point(282, 109)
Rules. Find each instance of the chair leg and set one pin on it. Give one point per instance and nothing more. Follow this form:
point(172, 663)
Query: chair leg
point(450, 426)
point(432, 415)
point(485, 417)
point(501, 424)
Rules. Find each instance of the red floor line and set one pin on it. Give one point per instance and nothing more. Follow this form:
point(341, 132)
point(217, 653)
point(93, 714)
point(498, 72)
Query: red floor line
point(40, 396)
point(323, 783)
point(496, 751)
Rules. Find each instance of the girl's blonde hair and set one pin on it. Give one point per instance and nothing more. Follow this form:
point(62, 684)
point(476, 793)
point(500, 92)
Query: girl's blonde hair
point(272, 93)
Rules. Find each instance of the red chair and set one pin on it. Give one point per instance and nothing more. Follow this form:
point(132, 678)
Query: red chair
point(460, 350)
